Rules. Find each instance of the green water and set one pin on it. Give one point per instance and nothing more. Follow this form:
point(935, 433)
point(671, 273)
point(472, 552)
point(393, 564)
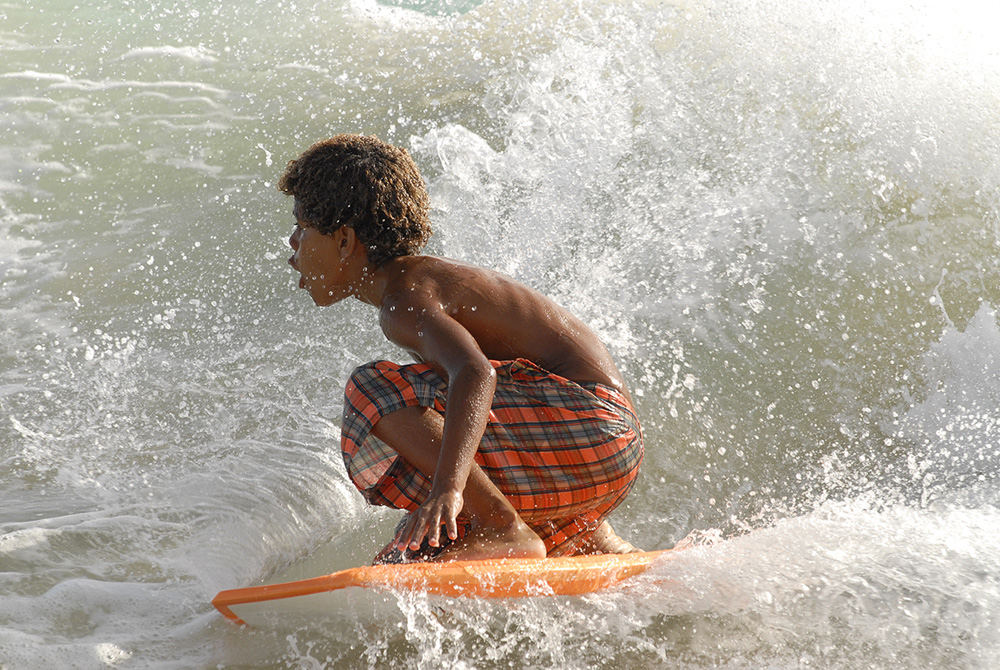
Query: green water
point(784, 221)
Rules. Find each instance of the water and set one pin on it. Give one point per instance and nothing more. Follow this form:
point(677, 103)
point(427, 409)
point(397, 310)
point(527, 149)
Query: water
point(783, 219)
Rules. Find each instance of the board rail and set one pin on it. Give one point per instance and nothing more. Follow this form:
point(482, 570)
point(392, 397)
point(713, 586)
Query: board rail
point(496, 578)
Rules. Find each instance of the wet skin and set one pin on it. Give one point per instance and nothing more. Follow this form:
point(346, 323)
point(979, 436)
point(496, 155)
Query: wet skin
point(454, 317)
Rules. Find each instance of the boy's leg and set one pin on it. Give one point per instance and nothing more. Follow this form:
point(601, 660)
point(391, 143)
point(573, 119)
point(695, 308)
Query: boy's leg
point(497, 529)
point(604, 540)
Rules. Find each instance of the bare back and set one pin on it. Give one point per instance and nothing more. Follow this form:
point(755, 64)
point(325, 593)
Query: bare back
point(507, 319)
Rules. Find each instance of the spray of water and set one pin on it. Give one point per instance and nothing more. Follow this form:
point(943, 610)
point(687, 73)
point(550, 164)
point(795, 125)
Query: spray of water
point(784, 221)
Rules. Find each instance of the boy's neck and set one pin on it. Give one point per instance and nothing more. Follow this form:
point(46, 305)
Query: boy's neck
point(371, 286)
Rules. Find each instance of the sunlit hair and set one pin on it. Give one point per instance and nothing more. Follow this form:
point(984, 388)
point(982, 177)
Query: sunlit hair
point(366, 184)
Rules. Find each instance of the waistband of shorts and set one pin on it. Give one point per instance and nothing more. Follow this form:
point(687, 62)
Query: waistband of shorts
point(601, 391)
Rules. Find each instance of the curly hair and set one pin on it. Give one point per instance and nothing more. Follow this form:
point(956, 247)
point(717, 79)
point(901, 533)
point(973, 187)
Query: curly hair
point(361, 182)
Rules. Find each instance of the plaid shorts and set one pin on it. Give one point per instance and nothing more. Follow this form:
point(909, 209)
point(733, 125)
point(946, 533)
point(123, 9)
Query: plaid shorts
point(564, 454)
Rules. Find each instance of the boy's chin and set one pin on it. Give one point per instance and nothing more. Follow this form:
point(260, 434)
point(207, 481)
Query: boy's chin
point(325, 300)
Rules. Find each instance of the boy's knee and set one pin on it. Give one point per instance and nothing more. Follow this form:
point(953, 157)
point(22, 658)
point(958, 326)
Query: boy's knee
point(366, 370)
point(365, 376)
point(388, 386)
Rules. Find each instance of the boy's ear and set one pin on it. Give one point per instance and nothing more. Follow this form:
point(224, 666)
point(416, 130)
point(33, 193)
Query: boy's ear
point(346, 241)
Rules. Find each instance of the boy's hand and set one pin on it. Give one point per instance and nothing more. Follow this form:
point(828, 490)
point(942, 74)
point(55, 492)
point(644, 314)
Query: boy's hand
point(439, 508)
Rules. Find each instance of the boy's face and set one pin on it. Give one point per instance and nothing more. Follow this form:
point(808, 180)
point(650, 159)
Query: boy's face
point(317, 258)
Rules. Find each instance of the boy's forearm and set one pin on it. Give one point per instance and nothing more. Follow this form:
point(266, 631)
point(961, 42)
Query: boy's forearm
point(470, 396)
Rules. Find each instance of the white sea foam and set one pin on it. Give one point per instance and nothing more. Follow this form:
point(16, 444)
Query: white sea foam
point(197, 54)
point(782, 218)
point(59, 81)
point(955, 424)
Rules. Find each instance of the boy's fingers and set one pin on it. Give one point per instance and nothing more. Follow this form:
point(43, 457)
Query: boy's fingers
point(402, 537)
point(405, 537)
point(426, 522)
point(453, 517)
point(419, 531)
point(434, 534)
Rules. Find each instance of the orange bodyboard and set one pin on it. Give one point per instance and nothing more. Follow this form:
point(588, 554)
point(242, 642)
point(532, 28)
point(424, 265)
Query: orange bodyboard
point(497, 578)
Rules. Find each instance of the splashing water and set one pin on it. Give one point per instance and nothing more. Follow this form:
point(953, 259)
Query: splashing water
point(784, 220)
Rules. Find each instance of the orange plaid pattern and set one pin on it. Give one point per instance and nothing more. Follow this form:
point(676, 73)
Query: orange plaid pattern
point(563, 453)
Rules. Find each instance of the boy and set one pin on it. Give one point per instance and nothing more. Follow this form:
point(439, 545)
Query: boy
point(514, 431)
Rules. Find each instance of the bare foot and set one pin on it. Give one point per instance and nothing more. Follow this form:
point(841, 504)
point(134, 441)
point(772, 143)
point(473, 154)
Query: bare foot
point(604, 540)
point(514, 541)
point(698, 538)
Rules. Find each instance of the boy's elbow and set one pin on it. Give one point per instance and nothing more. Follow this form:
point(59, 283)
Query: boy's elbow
point(480, 370)
point(485, 369)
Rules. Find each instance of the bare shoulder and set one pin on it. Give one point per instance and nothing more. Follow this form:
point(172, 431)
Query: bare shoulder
point(428, 287)
point(465, 292)
point(418, 288)
point(505, 318)
point(431, 268)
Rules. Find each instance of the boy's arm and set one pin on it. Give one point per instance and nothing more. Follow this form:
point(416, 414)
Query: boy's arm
point(445, 344)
